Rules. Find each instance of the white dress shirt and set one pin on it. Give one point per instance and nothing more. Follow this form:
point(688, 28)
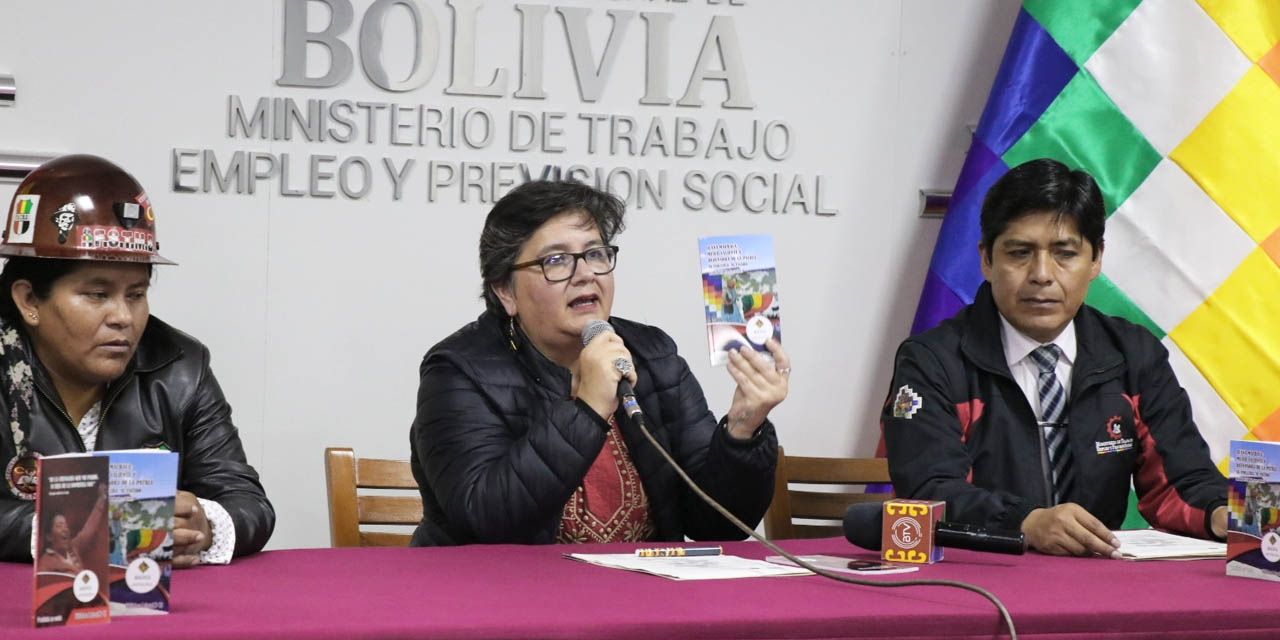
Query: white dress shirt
point(1017, 353)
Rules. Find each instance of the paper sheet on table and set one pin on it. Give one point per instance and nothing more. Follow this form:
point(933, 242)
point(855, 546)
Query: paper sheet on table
point(1149, 544)
point(841, 565)
point(690, 568)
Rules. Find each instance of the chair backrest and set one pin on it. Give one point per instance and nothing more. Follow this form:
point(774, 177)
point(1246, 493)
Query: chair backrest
point(344, 474)
point(827, 507)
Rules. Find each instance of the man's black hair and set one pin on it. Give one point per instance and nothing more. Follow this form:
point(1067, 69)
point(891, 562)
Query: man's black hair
point(1039, 186)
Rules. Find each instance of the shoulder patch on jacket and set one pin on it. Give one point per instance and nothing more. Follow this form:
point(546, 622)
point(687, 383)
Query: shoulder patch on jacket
point(906, 403)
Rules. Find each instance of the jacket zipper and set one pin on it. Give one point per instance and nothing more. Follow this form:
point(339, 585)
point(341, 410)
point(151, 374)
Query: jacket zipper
point(57, 404)
point(1076, 390)
point(1045, 473)
point(102, 416)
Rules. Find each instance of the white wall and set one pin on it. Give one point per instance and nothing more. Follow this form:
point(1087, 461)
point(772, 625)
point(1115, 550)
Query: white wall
point(318, 311)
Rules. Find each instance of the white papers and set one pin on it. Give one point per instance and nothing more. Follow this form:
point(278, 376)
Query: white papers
point(1149, 544)
point(848, 565)
point(690, 568)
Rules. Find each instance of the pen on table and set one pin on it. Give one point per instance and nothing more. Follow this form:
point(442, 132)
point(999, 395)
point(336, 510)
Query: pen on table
point(675, 552)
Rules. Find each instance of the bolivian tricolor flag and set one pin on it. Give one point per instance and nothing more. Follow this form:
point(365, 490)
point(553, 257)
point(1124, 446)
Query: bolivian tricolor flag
point(1174, 107)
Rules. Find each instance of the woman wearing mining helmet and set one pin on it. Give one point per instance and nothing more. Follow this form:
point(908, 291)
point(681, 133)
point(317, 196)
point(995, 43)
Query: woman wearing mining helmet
point(84, 366)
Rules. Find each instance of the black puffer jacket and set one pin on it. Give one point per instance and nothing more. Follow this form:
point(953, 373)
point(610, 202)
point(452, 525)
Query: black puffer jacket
point(167, 398)
point(499, 446)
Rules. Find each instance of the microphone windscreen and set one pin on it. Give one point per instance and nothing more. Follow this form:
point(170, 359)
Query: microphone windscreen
point(593, 329)
point(863, 524)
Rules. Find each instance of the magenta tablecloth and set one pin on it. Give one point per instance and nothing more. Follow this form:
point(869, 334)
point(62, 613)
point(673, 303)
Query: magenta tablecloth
point(511, 591)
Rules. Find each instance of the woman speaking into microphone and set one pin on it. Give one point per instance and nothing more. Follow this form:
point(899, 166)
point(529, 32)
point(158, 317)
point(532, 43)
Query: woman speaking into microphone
point(84, 366)
point(519, 437)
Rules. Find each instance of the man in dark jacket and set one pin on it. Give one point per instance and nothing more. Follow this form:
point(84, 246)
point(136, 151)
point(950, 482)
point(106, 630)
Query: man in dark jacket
point(519, 436)
point(1029, 410)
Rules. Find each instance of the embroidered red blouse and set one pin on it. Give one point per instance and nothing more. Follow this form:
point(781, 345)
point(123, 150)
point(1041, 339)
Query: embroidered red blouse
point(610, 505)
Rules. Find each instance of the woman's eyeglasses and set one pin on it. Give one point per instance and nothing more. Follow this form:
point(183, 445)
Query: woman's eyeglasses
point(558, 267)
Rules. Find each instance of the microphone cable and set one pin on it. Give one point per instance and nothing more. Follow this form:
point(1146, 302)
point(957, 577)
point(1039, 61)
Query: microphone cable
point(1004, 613)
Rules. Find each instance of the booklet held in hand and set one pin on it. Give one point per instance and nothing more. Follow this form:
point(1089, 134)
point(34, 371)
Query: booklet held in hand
point(739, 294)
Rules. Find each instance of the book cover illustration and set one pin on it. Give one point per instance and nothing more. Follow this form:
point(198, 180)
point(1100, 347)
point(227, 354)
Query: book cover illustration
point(1253, 510)
point(71, 542)
point(142, 496)
point(739, 293)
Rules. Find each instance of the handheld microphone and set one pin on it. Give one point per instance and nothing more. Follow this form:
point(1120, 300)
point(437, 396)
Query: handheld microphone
point(864, 527)
point(626, 395)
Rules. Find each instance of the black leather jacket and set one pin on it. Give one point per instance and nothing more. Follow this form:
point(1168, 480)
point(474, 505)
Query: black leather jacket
point(499, 445)
point(167, 398)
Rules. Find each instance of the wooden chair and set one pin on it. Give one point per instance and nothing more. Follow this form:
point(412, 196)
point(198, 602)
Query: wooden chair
point(789, 503)
point(344, 474)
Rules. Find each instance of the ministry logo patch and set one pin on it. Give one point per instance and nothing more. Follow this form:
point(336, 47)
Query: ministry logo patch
point(1117, 442)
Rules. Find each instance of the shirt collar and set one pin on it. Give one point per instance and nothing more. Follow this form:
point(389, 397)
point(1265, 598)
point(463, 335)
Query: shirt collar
point(1018, 346)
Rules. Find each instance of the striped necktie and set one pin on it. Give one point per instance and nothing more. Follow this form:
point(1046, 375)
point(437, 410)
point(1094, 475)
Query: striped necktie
point(1053, 411)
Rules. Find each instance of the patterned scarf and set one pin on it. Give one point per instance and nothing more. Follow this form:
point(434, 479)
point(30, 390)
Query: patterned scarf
point(16, 383)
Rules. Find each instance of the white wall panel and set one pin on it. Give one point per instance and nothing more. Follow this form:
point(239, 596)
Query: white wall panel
point(318, 310)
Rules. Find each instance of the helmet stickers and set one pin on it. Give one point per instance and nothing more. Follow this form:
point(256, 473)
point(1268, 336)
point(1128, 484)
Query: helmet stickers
point(81, 207)
point(126, 213)
point(65, 218)
point(22, 222)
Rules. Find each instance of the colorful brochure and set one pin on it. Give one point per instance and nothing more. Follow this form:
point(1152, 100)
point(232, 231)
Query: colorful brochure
point(739, 294)
point(71, 542)
point(1253, 510)
point(143, 488)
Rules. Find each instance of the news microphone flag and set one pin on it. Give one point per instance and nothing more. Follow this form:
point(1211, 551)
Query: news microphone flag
point(908, 531)
point(1174, 107)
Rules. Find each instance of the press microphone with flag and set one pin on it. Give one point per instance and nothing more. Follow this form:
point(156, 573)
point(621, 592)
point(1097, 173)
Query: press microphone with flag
point(864, 526)
point(626, 395)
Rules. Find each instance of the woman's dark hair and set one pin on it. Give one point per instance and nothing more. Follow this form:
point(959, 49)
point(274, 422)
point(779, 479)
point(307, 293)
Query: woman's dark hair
point(1044, 185)
point(519, 214)
point(41, 273)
